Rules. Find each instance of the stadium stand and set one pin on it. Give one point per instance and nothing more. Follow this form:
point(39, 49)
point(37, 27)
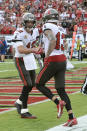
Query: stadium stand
point(73, 11)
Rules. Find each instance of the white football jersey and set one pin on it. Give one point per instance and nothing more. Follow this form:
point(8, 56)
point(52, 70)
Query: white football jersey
point(63, 32)
point(26, 39)
point(59, 40)
point(35, 34)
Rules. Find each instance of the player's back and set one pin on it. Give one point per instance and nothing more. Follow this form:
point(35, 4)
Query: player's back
point(58, 34)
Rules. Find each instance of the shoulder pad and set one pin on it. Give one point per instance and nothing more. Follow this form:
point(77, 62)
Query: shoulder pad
point(46, 27)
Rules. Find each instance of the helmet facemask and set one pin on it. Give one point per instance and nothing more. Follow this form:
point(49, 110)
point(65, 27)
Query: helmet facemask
point(28, 18)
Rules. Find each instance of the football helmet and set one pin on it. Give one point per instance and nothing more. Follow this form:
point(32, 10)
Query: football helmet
point(28, 17)
point(51, 15)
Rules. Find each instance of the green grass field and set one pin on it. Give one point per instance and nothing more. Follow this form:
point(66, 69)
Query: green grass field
point(46, 112)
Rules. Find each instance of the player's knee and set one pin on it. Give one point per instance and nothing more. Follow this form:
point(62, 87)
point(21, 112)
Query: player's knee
point(60, 90)
point(27, 89)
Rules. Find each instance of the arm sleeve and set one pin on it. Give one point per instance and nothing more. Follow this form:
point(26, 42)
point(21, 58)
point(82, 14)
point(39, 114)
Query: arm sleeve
point(46, 27)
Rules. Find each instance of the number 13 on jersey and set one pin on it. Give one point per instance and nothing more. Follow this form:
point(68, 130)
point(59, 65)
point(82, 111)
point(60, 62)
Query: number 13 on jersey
point(59, 41)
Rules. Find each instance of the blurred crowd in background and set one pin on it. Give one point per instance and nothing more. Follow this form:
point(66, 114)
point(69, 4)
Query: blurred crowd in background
point(71, 12)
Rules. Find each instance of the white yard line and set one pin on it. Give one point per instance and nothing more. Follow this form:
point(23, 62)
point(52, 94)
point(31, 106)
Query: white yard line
point(77, 62)
point(6, 62)
point(81, 126)
point(7, 70)
point(32, 104)
point(12, 109)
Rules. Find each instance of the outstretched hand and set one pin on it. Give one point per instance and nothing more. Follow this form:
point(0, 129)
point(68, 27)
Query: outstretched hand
point(38, 50)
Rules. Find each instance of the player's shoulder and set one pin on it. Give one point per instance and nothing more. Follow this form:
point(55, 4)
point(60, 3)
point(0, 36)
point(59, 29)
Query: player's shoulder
point(49, 26)
point(20, 30)
point(61, 29)
point(19, 33)
point(36, 30)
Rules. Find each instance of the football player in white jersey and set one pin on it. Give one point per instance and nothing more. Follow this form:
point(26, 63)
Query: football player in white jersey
point(54, 65)
point(25, 61)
